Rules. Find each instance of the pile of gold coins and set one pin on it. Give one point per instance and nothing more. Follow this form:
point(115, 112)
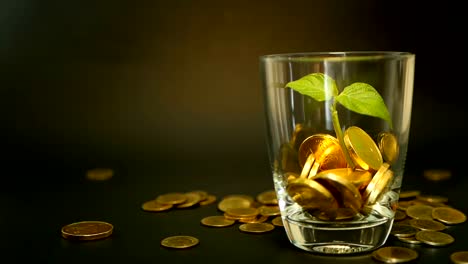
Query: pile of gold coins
point(178, 200)
point(333, 184)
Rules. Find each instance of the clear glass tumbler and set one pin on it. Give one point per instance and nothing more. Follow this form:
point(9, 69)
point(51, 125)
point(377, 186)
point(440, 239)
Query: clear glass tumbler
point(337, 135)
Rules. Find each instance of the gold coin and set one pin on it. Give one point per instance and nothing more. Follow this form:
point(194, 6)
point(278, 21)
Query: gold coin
point(459, 257)
point(376, 185)
point(358, 178)
point(306, 169)
point(434, 238)
point(256, 219)
point(217, 221)
point(427, 224)
point(409, 194)
point(179, 242)
point(448, 215)
point(388, 146)
point(399, 215)
point(326, 149)
point(99, 174)
point(247, 212)
point(154, 206)
point(403, 230)
point(395, 254)
point(277, 221)
point(256, 227)
point(209, 200)
point(87, 230)
point(311, 194)
point(349, 194)
point(203, 194)
point(381, 186)
point(420, 211)
point(432, 198)
point(437, 174)
point(234, 201)
point(171, 198)
point(269, 210)
point(362, 148)
point(193, 198)
point(409, 240)
point(267, 197)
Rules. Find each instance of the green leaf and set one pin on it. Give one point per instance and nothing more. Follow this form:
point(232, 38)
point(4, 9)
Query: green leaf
point(362, 98)
point(316, 85)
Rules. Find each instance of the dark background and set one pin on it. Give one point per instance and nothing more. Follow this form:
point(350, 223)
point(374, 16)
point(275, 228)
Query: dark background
point(170, 90)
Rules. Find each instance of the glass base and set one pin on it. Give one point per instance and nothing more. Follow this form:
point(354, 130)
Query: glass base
point(338, 237)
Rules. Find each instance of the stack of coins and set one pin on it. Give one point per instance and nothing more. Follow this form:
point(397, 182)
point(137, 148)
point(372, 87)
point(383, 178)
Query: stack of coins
point(178, 200)
point(423, 219)
point(328, 185)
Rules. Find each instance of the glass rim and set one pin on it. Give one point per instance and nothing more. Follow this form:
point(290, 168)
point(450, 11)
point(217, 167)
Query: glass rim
point(337, 56)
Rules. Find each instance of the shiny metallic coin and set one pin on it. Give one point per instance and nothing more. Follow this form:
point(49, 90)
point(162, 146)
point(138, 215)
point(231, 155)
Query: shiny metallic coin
point(362, 148)
point(326, 149)
point(409, 240)
point(154, 206)
point(403, 205)
point(388, 146)
point(420, 211)
point(459, 257)
point(99, 174)
point(267, 197)
point(349, 195)
point(171, 198)
point(256, 227)
point(381, 186)
point(209, 200)
point(427, 224)
point(437, 174)
point(395, 254)
point(269, 210)
point(307, 166)
point(448, 215)
point(277, 221)
point(403, 230)
point(358, 178)
point(409, 194)
point(256, 219)
point(179, 242)
point(247, 212)
point(399, 215)
point(193, 198)
point(434, 238)
point(234, 202)
point(217, 221)
point(87, 230)
point(203, 194)
point(311, 195)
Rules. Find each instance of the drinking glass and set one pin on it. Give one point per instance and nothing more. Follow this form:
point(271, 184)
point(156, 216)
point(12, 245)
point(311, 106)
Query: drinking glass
point(337, 128)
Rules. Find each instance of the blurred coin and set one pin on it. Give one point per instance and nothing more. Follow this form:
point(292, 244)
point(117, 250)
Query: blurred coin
point(388, 146)
point(99, 174)
point(193, 198)
point(247, 212)
point(255, 219)
point(267, 197)
point(437, 174)
point(234, 202)
point(311, 194)
point(203, 194)
point(427, 224)
point(289, 159)
point(179, 242)
point(300, 133)
point(434, 238)
point(269, 210)
point(432, 198)
point(409, 240)
point(154, 206)
point(87, 230)
point(362, 148)
point(326, 149)
point(217, 221)
point(459, 257)
point(395, 254)
point(409, 194)
point(349, 194)
point(307, 166)
point(381, 186)
point(171, 198)
point(420, 211)
point(403, 230)
point(277, 221)
point(448, 215)
point(374, 184)
point(399, 215)
point(256, 227)
point(209, 200)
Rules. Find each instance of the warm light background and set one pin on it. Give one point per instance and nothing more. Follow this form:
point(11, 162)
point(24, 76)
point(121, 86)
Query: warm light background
point(109, 80)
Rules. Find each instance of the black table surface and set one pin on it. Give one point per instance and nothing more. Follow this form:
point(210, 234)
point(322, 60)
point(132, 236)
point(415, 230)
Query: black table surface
point(40, 196)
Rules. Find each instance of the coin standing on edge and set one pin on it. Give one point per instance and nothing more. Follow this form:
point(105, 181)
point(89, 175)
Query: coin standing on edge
point(179, 242)
point(87, 230)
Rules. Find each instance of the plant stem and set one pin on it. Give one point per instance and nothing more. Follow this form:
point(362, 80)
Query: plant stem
point(339, 134)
